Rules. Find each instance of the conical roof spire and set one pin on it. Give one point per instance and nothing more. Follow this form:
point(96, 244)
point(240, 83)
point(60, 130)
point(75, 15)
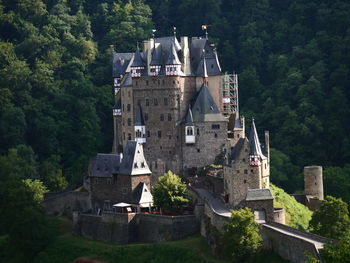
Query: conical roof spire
point(173, 59)
point(155, 61)
point(254, 143)
point(139, 120)
point(137, 62)
point(189, 118)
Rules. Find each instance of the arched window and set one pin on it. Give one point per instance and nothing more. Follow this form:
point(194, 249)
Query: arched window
point(189, 131)
point(138, 134)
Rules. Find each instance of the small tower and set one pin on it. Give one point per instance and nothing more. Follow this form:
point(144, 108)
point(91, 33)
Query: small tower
point(173, 64)
point(137, 67)
point(255, 153)
point(140, 127)
point(155, 64)
point(189, 128)
point(313, 180)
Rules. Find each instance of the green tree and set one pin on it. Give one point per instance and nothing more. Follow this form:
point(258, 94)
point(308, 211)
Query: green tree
point(37, 188)
point(170, 192)
point(241, 235)
point(23, 220)
point(331, 219)
point(335, 252)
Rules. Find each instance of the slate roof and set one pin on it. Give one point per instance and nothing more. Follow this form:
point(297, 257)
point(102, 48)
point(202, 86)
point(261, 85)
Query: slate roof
point(121, 62)
point(156, 58)
point(133, 153)
point(254, 143)
point(126, 81)
point(139, 121)
point(188, 120)
point(237, 149)
point(200, 49)
point(142, 195)
point(258, 194)
point(205, 108)
point(105, 165)
point(173, 59)
point(137, 62)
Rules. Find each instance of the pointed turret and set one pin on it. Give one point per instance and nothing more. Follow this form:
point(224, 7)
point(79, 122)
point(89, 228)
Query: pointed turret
point(155, 64)
point(134, 162)
point(189, 128)
point(140, 127)
point(173, 64)
point(137, 66)
point(255, 154)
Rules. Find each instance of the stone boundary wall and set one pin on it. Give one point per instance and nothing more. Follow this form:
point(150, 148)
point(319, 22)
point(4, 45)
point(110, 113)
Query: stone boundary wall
point(287, 246)
point(301, 232)
point(125, 228)
point(158, 228)
point(67, 201)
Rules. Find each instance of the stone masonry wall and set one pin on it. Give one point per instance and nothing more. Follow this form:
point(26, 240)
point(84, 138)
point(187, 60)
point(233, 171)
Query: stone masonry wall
point(209, 144)
point(67, 202)
point(126, 228)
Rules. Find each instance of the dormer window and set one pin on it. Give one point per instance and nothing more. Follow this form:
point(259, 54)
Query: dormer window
point(135, 165)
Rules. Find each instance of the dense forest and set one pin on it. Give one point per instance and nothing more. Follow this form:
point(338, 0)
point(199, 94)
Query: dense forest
point(292, 57)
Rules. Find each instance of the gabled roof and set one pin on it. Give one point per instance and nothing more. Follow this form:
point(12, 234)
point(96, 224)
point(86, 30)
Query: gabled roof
point(258, 194)
point(137, 59)
point(139, 121)
point(105, 165)
point(254, 144)
point(205, 108)
point(173, 59)
point(142, 195)
point(134, 162)
point(199, 49)
point(121, 62)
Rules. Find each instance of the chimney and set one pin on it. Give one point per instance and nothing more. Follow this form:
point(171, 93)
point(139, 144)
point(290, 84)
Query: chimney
point(186, 66)
point(267, 145)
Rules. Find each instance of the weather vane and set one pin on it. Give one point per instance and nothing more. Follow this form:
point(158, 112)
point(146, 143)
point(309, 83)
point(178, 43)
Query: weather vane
point(205, 27)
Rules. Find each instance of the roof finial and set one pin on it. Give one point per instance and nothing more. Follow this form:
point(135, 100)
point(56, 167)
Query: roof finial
point(205, 27)
point(174, 29)
point(153, 31)
point(137, 45)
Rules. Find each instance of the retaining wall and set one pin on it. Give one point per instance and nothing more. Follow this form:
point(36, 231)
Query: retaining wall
point(68, 201)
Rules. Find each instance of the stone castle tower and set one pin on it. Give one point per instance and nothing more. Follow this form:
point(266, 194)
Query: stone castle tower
point(248, 167)
point(169, 98)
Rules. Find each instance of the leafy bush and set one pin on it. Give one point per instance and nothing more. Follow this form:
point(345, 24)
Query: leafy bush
point(297, 215)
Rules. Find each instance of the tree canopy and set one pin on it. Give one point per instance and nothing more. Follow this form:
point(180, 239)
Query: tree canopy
point(331, 219)
point(169, 192)
point(241, 235)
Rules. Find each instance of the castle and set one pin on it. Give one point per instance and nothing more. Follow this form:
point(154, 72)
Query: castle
point(175, 110)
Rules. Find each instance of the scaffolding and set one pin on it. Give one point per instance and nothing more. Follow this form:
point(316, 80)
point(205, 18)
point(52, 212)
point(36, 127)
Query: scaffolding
point(229, 86)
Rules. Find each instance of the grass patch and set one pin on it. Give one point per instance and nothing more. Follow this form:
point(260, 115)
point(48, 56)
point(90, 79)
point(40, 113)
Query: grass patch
point(192, 249)
point(297, 215)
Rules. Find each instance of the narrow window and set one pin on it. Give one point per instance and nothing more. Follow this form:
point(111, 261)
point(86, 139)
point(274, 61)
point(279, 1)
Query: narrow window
point(129, 136)
point(161, 117)
point(169, 117)
point(159, 134)
point(155, 102)
point(129, 121)
point(215, 135)
point(128, 107)
point(198, 150)
point(197, 131)
point(165, 101)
